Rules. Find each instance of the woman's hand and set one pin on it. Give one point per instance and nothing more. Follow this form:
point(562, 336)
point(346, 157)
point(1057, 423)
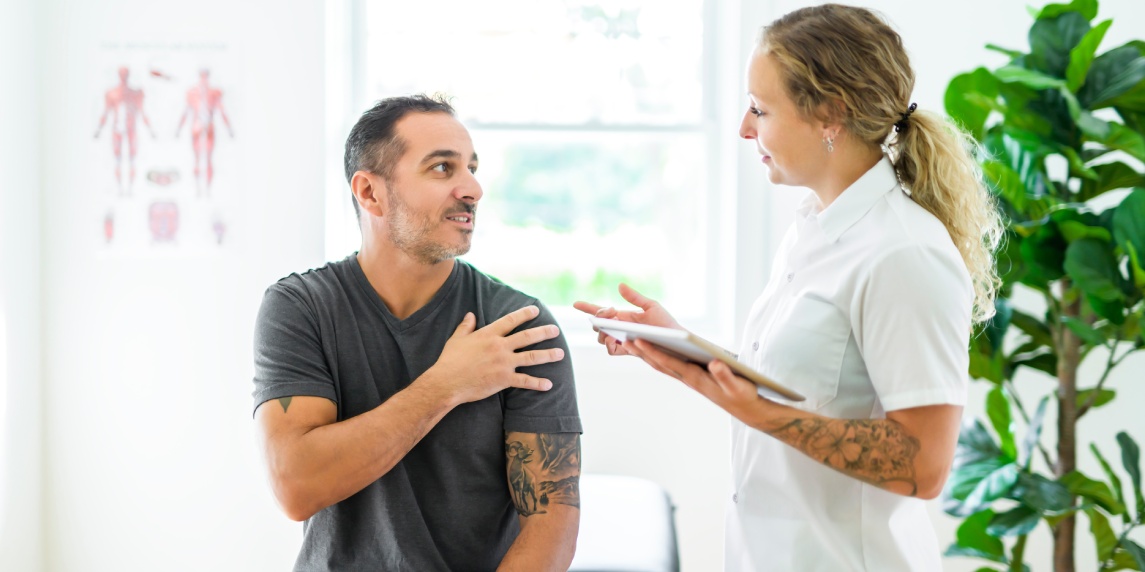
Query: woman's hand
point(716, 382)
point(651, 313)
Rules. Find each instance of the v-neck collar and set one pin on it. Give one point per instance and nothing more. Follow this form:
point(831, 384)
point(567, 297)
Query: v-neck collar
point(420, 314)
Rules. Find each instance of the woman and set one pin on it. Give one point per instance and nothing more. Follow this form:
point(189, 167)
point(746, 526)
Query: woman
point(867, 313)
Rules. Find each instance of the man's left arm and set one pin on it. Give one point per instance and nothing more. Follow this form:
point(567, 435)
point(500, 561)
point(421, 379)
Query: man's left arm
point(543, 471)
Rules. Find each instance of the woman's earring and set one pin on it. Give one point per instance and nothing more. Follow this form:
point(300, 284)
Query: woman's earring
point(830, 144)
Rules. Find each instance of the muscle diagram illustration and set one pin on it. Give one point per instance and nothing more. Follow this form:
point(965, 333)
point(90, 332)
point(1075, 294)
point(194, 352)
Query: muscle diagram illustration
point(203, 102)
point(123, 105)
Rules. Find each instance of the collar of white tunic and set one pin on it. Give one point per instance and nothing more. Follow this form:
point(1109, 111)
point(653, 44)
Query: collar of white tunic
point(853, 203)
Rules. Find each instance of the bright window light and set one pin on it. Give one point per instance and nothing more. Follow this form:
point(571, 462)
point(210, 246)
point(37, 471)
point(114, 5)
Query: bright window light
point(590, 123)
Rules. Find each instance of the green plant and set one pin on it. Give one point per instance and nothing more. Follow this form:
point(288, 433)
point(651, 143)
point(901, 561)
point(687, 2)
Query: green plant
point(1062, 130)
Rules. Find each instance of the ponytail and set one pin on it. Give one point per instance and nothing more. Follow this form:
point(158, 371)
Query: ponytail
point(935, 162)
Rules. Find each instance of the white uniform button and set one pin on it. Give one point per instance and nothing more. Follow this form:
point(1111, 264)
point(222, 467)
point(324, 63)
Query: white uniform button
point(790, 276)
point(755, 346)
point(735, 498)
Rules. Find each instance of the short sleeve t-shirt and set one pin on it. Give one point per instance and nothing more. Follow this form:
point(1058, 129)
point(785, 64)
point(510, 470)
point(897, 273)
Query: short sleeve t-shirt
point(446, 504)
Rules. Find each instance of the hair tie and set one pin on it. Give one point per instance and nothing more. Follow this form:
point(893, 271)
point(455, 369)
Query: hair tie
point(902, 124)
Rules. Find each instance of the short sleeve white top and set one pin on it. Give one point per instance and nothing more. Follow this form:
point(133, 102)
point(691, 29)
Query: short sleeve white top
point(868, 310)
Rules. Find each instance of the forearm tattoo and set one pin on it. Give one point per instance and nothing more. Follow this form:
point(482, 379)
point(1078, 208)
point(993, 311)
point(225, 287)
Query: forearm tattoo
point(543, 469)
point(877, 451)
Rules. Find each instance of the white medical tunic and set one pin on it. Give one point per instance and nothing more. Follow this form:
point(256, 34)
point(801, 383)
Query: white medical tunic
point(868, 310)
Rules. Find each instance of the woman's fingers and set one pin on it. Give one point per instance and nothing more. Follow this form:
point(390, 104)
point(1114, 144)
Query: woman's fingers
point(636, 298)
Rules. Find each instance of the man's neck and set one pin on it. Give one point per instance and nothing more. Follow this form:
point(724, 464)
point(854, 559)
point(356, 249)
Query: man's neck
point(404, 284)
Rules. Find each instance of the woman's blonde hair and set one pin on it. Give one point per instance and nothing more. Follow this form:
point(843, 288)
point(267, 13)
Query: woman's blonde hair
point(845, 64)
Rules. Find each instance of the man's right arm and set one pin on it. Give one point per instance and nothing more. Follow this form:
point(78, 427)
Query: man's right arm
point(315, 461)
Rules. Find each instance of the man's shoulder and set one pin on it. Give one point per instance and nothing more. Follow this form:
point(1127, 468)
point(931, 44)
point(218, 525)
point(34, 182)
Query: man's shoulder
point(315, 284)
point(494, 292)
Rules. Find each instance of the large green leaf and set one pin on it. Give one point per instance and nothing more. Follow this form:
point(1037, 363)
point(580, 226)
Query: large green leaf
point(1006, 183)
point(1084, 331)
point(1081, 56)
point(1092, 490)
point(1131, 460)
point(1044, 253)
point(1029, 78)
point(1077, 166)
point(1128, 103)
point(1087, 8)
point(1103, 534)
point(1129, 221)
point(1038, 492)
point(1051, 40)
point(1091, 265)
point(993, 485)
point(1114, 481)
point(1111, 75)
point(1073, 230)
point(975, 445)
point(971, 112)
point(1023, 110)
point(1038, 331)
point(998, 409)
point(998, 324)
point(1135, 551)
point(972, 539)
point(1112, 310)
point(1104, 397)
point(1112, 134)
point(1113, 176)
point(1033, 433)
point(1015, 522)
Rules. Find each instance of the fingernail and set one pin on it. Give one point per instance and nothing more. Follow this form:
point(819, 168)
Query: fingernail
point(546, 384)
point(554, 330)
point(560, 354)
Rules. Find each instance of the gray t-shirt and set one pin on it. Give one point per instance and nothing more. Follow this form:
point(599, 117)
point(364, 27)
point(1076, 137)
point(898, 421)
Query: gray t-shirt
point(446, 505)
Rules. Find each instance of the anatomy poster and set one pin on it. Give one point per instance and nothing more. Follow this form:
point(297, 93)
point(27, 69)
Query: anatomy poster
point(166, 143)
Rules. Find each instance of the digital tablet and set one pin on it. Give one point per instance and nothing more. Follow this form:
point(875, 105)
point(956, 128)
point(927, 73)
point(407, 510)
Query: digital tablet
point(689, 347)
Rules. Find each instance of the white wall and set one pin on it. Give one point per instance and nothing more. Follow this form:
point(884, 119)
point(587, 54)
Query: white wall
point(20, 390)
point(150, 461)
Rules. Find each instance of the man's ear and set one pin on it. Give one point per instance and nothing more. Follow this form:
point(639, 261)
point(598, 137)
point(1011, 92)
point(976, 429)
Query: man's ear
point(369, 190)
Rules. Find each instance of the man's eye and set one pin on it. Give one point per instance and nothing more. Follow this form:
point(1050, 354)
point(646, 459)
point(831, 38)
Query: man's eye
point(440, 168)
point(473, 169)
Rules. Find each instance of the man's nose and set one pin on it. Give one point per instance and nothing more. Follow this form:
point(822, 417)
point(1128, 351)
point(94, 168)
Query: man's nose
point(469, 189)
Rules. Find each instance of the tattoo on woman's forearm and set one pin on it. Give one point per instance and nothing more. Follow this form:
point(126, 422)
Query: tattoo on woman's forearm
point(877, 451)
point(555, 479)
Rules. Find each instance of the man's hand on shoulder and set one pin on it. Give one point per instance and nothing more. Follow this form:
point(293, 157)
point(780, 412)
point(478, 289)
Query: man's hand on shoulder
point(478, 363)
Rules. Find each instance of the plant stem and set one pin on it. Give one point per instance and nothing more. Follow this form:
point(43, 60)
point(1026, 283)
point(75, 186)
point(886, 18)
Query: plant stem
point(1068, 350)
point(1017, 555)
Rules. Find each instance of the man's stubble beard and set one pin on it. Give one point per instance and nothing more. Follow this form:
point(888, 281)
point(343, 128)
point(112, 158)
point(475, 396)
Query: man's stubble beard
point(411, 234)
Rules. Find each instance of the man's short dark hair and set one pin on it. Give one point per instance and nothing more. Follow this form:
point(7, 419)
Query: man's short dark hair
point(374, 145)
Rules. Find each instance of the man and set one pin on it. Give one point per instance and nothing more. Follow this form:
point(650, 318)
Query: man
point(408, 404)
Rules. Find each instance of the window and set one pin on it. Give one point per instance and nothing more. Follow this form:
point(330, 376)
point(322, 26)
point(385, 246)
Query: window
point(592, 121)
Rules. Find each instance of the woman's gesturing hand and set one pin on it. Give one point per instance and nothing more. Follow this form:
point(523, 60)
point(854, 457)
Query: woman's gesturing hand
point(651, 313)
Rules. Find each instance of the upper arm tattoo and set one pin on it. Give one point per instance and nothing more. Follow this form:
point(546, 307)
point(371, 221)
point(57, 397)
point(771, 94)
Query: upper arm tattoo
point(285, 402)
point(877, 451)
point(543, 469)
